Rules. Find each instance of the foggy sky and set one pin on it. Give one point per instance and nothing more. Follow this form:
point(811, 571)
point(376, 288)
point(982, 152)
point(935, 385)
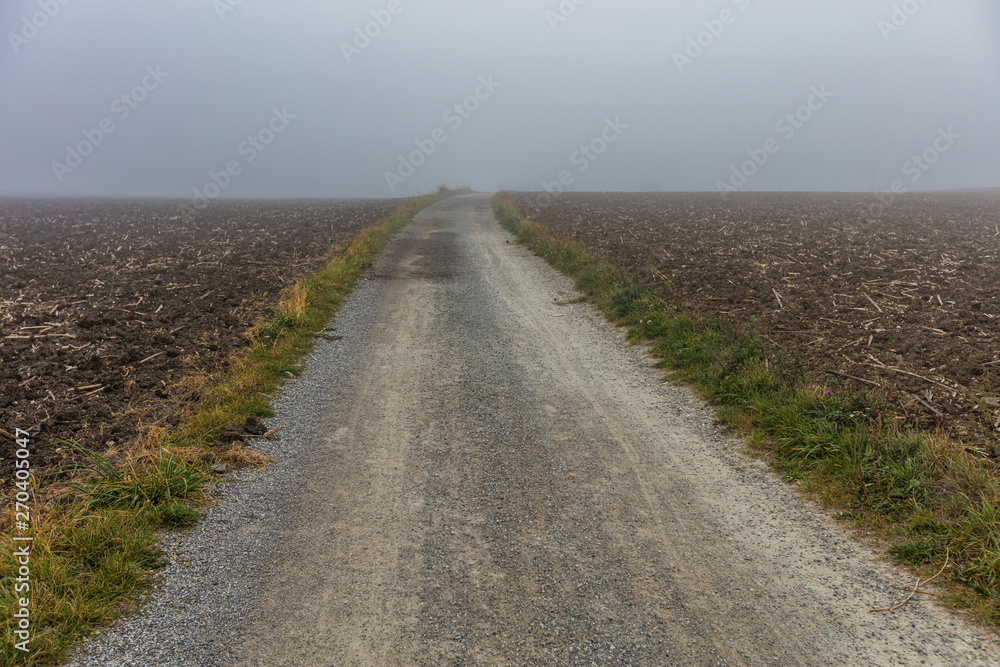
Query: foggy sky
point(888, 81)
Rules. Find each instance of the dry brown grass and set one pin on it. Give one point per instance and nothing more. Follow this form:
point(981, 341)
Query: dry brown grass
point(295, 301)
point(243, 457)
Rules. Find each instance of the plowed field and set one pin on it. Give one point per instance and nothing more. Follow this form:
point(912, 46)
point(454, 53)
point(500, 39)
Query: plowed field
point(106, 309)
point(902, 295)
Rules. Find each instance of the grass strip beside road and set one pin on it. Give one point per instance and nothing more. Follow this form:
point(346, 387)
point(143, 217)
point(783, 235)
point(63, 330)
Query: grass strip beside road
point(926, 499)
point(95, 538)
point(278, 345)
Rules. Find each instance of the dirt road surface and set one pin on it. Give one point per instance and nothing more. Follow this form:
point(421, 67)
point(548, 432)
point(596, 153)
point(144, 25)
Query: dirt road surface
point(490, 476)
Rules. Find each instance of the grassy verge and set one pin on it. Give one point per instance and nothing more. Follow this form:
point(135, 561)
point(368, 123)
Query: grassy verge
point(278, 345)
point(94, 550)
point(926, 499)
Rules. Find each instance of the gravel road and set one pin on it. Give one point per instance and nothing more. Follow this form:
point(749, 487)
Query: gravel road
point(482, 472)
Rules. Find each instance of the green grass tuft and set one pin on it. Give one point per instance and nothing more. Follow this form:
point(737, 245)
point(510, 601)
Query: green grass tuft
point(177, 514)
point(167, 479)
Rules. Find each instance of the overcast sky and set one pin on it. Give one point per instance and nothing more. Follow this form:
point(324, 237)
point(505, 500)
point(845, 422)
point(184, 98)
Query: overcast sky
point(295, 100)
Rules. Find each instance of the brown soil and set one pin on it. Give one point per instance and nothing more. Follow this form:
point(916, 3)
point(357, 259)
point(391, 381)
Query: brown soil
point(903, 293)
point(108, 310)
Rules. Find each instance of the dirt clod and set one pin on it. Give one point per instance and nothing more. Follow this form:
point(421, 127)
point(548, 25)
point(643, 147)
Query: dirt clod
point(254, 426)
